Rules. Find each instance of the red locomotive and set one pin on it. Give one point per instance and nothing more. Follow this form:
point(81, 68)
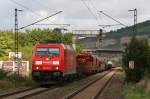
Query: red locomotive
point(53, 62)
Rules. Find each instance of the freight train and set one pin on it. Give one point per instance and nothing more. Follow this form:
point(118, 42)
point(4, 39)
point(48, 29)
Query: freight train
point(55, 62)
point(87, 63)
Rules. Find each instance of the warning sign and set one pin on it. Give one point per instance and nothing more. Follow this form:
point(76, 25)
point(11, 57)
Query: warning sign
point(131, 64)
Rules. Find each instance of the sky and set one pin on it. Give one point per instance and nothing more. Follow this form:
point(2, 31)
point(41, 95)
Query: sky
point(80, 14)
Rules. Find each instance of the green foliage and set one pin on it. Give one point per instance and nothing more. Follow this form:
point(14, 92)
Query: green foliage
point(67, 38)
point(5, 85)
point(78, 46)
point(3, 74)
point(29, 38)
point(9, 81)
point(142, 28)
point(23, 39)
point(135, 92)
point(20, 80)
point(27, 52)
point(38, 35)
point(137, 51)
point(6, 42)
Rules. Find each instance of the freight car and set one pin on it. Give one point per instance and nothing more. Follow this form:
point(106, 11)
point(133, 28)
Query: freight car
point(53, 62)
point(84, 63)
point(88, 63)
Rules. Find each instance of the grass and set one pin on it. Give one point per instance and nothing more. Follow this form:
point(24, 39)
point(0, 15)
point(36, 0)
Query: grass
point(21, 80)
point(136, 91)
point(10, 81)
point(5, 85)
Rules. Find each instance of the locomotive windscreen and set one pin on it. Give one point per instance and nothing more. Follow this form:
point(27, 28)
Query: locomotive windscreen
point(47, 52)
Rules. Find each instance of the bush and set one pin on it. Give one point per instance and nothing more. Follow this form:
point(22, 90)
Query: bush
point(5, 85)
point(3, 74)
point(20, 80)
point(135, 92)
point(137, 51)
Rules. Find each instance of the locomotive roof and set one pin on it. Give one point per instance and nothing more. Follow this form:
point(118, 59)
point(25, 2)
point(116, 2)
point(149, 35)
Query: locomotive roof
point(55, 44)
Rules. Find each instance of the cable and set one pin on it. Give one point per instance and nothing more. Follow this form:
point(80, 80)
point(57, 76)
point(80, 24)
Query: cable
point(92, 4)
point(27, 9)
point(89, 10)
point(61, 25)
point(109, 25)
point(112, 18)
point(54, 24)
point(39, 20)
point(45, 6)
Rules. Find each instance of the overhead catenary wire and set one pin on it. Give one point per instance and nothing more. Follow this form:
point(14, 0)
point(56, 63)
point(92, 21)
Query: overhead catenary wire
point(89, 9)
point(107, 16)
point(13, 1)
point(27, 8)
point(112, 18)
point(54, 24)
point(61, 25)
point(93, 5)
point(45, 6)
point(109, 25)
point(39, 20)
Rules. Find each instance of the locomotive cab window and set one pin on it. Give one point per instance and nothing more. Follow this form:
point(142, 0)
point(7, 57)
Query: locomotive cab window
point(41, 51)
point(47, 52)
point(54, 51)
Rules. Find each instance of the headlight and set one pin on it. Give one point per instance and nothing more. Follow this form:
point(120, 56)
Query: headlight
point(38, 62)
point(55, 62)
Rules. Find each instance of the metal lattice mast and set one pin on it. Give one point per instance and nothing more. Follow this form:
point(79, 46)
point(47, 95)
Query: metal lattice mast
point(16, 39)
point(135, 21)
point(99, 39)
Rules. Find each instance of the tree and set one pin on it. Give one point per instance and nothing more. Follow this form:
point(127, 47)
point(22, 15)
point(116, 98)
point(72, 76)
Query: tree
point(78, 46)
point(6, 43)
point(137, 51)
point(67, 38)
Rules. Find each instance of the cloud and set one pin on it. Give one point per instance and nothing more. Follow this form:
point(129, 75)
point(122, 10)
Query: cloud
point(74, 12)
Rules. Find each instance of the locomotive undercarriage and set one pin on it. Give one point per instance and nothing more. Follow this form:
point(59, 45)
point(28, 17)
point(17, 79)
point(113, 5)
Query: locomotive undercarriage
point(46, 76)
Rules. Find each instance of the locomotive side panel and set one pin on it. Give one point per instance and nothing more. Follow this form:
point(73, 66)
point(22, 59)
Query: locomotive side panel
point(69, 62)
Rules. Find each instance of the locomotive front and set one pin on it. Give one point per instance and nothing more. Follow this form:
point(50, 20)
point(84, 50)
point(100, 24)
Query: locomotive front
point(48, 62)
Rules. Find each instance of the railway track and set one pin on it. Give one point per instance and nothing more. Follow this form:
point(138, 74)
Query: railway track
point(93, 89)
point(26, 93)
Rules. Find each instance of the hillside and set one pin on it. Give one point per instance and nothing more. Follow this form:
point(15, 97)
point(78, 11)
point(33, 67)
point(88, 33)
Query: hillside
point(142, 29)
point(115, 39)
